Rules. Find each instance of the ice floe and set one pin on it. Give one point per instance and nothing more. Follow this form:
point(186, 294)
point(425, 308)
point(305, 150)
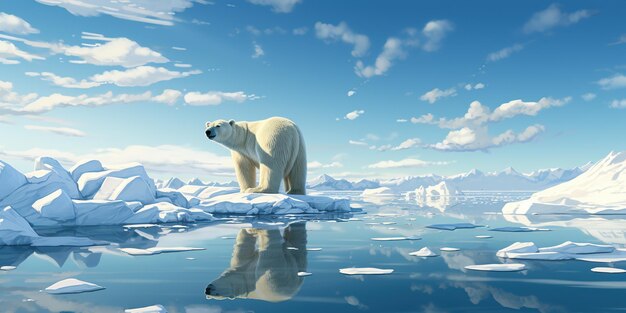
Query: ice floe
point(157, 308)
point(566, 251)
point(483, 237)
point(7, 268)
point(509, 267)
point(365, 271)
point(72, 285)
point(453, 226)
point(608, 270)
point(449, 249)
point(423, 252)
point(304, 274)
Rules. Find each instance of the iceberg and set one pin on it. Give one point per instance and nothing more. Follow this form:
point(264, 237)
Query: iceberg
point(599, 190)
point(10, 180)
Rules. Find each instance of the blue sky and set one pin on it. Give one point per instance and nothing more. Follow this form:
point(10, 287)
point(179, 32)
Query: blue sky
point(379, 88)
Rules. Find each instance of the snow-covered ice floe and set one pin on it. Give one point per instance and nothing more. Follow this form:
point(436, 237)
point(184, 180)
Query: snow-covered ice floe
point(365, 271)
point(566, 251)
point(90, 194)
point(157, 308)
point(599, 190)
point(510, 267)
point(72, 285)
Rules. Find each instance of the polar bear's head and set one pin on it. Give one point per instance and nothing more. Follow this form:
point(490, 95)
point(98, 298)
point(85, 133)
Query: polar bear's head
point(219, 130)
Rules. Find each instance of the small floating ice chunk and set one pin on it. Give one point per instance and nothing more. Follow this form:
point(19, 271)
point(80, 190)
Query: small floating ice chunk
point(449, 249)
point(483, 237)
point(292, 248)
point(312, 249)
point(157, 308)
point(579, 248)
point(608, 270)
point(518, 247)
point(388, 223)
point(511, 267)
point(516, 229)
point(365, 271)
point(303, 274)
point(7, 268)
point(190, 259)
point(453, 226)
point(394, 238)
point(423, 252)
point(72, 285)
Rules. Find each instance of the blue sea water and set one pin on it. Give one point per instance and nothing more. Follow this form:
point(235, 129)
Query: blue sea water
point(251, 264)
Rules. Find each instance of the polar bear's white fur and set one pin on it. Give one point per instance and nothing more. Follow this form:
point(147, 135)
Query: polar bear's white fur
point(264, 265)
point(275, 146)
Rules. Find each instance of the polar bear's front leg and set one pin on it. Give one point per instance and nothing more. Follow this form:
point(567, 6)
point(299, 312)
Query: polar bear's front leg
point(245, 171)
point(269, 180)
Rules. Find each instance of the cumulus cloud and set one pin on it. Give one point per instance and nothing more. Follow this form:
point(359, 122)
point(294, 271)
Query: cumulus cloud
point(614, 82)
point(168, 96)
point(354, 114)
point(553, 17)
point(407, 144)
point(113, 52)
point(161, 160)
point(9, 54)
point(405, 163)
point(144, 11)
point(214, 97)
point(618, 104)
point(435, 32)
point(504, 53)
point(319, 165)
point(436, 94)
point(258, 51)
point(342, 32)
point(64, 131)
point(472, 139)
point(278, 6)
point(15, 25)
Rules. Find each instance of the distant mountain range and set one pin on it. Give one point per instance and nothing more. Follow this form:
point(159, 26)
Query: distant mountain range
point(506, 180)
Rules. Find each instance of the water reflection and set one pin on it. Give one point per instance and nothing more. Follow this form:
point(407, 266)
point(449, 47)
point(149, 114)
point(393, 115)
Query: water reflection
point(264, 265)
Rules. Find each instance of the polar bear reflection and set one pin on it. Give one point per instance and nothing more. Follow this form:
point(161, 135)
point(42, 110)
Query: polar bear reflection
point(264, 265)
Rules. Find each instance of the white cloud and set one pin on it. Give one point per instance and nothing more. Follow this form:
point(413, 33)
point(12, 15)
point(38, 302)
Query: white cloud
point(404, 163)
point(214, 97)
point(278, 6)
point(407, 144)
point(351, 93)
point(179, 48)
point(354, 114)
point(140, 76)
point(144, 11)
point(402, 120)
point(357, 143)
point(8, 96)
point(618, 104)
point(519, 107)
point(113, 52)
point(504, 53)
point(318, 165)
point(162, 160)
point(472, 139)
point(588, 96)
point(258, 51)
point(435, 32)
point(552, 17)
point(474, 87)
point(342, 32)
point(66, 82)
point(436, 94)
point(300, 31)
point(9, 53)
point(15, 25)
point(424, 119)
point(65, 131)
point(182, 65)
point(619, 41)
point(168, 96)
point(614, 82)
point(392, 50)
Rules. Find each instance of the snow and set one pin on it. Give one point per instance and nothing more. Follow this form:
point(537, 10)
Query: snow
point(453, 226)
point(157, 308)
point(599, 190)
point(365, 271)
point(304, 274)
point(72, 285)
point(423, 252)
point(608, 270)
point(510, 267)
point(90, 194)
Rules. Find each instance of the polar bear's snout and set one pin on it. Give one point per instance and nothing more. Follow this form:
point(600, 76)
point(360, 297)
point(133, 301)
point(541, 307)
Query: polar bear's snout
point(210, 290)
point(210, 132)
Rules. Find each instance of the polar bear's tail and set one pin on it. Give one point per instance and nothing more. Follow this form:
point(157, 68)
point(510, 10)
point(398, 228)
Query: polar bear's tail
point(295, 181)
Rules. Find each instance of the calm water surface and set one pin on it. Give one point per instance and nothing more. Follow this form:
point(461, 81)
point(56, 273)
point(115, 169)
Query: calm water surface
point(250, 264)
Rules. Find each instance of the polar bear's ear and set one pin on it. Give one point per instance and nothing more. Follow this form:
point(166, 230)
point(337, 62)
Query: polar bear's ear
point(231, 122)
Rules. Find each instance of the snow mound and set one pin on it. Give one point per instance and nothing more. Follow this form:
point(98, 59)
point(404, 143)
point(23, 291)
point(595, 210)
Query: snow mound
point(599, 190)
point(365, 271)
point(72, 285)
point(511, 267)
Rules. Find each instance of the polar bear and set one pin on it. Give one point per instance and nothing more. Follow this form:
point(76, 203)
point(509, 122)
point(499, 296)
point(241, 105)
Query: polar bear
point(275, 146)
point(264, 265)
